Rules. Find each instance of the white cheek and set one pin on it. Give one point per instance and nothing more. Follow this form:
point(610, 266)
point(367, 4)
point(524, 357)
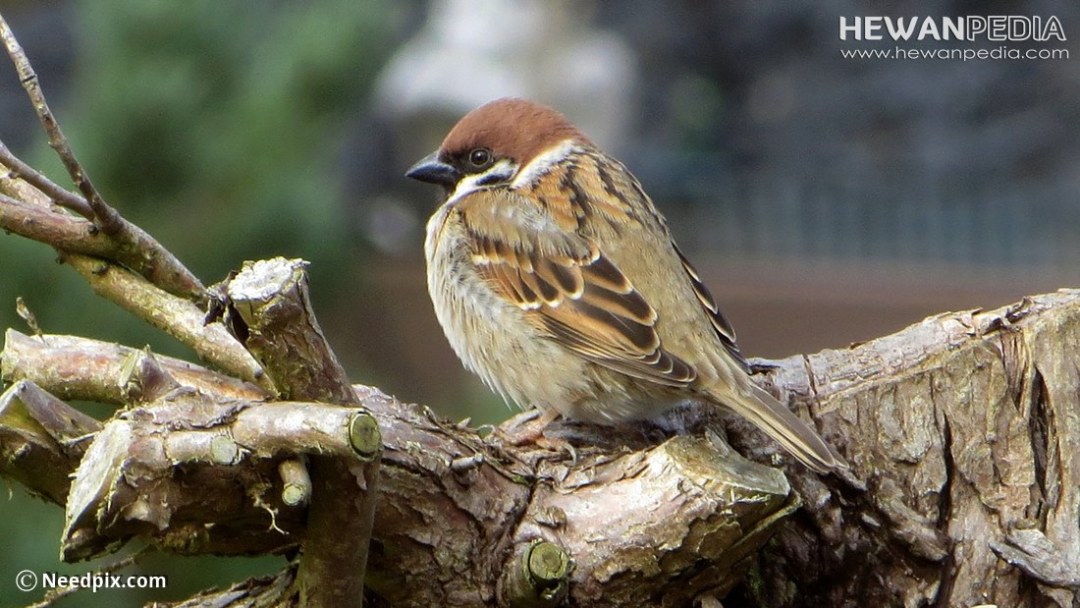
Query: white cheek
point(464, 186)
point(499, 172)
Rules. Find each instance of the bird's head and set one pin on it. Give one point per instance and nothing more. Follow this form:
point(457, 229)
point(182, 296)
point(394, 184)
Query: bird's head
point(496, 144)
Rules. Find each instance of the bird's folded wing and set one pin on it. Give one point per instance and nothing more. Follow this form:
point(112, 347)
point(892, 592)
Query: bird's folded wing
point(566, 286)
point(720, 324)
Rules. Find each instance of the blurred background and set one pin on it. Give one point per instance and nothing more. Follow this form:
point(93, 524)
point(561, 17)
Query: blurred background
point(825, 200)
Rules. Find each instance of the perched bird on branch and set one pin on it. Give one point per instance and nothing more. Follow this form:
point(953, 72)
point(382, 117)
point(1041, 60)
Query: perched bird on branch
point(556, 280)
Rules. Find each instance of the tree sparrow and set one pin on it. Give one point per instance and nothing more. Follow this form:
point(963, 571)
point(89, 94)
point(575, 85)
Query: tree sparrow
point(556, 280)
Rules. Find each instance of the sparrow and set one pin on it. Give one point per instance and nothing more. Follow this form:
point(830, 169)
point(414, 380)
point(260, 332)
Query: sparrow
point(557, 281)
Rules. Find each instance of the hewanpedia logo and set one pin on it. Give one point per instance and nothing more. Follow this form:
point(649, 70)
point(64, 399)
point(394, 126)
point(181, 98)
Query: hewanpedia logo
point(1012, 28)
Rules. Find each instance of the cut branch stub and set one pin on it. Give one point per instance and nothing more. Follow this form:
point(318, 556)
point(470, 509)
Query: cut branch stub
point(170, 468)
point(297, 482)
point(41, 439)
point(364, 436)
point(268, 308)
point(537, 576)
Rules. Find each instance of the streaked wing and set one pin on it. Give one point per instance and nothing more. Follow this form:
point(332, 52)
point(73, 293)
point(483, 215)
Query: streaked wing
point(723, 327)
point(567, 287)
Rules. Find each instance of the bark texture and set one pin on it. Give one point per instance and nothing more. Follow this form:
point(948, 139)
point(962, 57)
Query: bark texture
point(960, 430)
point(965, 431)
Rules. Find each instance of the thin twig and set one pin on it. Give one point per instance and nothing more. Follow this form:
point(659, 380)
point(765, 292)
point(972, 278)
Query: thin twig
point(106, 218)
point(59, 195)
point(134, 248)
point(29, 212)
point(178, 317)
point(62, 231)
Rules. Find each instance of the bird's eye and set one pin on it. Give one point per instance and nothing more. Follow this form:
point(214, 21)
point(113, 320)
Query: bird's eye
point(480, 158)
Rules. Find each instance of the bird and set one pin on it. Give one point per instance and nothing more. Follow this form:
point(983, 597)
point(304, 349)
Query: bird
point(557, 281)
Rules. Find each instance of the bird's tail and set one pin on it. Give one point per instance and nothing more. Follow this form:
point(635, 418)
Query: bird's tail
point(776, 420)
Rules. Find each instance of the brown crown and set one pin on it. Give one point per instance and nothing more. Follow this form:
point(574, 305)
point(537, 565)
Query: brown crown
point(509, 127)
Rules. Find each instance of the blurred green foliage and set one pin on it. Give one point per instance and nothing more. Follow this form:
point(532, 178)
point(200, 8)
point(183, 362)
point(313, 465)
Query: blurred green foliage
point(216, 126)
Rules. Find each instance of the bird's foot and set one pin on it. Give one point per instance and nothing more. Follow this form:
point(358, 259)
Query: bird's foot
point(529, 428)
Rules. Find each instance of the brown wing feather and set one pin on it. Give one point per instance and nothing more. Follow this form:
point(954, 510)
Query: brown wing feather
point(567, 287)
point(723, 327)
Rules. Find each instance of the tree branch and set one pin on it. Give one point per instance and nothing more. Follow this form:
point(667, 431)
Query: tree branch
point(62, 197)
point(457, 510)
point(965, 429)
point(267, 306)
point(79, 368)
point(912, 422)
point(25, 210)
point(42, 439)
point(106, 218)
point(135, 248)
point(179, 318)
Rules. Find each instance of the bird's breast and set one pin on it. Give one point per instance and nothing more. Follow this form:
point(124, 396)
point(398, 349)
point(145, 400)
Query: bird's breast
point(489, 334)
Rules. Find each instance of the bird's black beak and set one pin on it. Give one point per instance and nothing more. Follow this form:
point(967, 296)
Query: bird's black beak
point(433, 171)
